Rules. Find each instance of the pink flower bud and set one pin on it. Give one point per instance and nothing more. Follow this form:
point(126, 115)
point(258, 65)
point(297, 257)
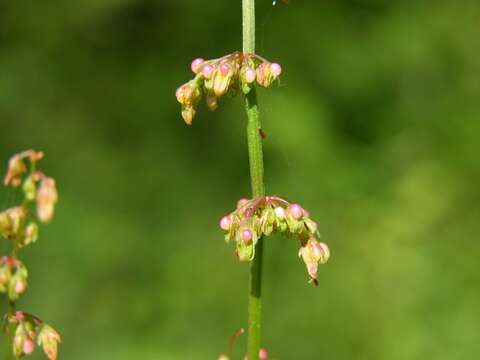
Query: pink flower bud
point(263, 354)
point(20, 287)
point(250, 75)
point(296, 211)
point(224, 68)
point(275, 69)
point(225, 222)
point(208, 71)
point(197, 64)
point(280, 212)
point(28, 346)
point(247, 235)
point(306, 213)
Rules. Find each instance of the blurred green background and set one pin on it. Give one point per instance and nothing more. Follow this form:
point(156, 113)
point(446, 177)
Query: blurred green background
point(374, 128)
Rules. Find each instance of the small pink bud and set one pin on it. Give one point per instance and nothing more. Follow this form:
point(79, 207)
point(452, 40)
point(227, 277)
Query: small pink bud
point(263, 354)
point(296, 211)
point(280, 212)
point(224, 69)
point(197, 64)
point(225, 222)
point(247, 235)
point(241, 203)
point(208, 71)
point(276, 69)
point(28, 346)
point(250, 75)
point(20, 287)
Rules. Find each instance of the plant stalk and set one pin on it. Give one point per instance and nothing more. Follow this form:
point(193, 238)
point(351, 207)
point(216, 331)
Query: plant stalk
point(255, 154)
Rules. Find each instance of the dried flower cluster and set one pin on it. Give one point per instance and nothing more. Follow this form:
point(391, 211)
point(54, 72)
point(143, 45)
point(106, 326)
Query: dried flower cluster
point(272, 214)
point(19, 225)
point(227, 75)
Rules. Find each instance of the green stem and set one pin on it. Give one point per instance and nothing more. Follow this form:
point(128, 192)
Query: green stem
point(255, 154)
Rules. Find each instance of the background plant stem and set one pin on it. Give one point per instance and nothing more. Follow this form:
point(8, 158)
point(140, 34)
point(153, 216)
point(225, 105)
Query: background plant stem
point(255, 154)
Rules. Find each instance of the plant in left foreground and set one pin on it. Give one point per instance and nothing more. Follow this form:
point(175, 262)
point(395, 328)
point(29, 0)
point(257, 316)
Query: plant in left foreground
point(20, 226)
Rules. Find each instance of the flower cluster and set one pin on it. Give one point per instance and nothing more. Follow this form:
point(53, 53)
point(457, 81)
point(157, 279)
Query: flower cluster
point(13, 277)
point(19, 225)
point(26, 329)
point(227, 75)
point(257, 217)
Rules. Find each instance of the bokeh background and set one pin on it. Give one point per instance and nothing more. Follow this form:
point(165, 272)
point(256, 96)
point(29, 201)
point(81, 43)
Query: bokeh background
point(374, 128)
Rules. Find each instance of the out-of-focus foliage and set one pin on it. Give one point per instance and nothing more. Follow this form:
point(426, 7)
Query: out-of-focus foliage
point(374, 128)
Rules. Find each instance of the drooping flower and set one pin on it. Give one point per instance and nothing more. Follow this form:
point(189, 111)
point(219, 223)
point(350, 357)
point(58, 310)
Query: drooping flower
point(47, 197)
point(17, 168)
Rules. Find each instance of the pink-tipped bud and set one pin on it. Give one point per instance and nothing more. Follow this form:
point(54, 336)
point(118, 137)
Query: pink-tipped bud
point(225, 222)
point(263, 354)
point(208, 71)
point(187, 92)
point(250, 75)
point(280, 212)
point(188, 114)
point(296, 211)
point(241, 203)
point(247, 235)
point(20, 287)
point(322, 251)
point(275, 69)
point(197, 65)
point(28, 346)
point(306, 213)
point(224, 69)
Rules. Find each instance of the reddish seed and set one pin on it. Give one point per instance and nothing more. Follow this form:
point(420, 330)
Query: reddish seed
point(262, 133)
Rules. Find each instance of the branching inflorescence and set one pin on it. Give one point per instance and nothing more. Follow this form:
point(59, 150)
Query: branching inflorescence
point(230, 74)
point(19, 225)
point(257, 218)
